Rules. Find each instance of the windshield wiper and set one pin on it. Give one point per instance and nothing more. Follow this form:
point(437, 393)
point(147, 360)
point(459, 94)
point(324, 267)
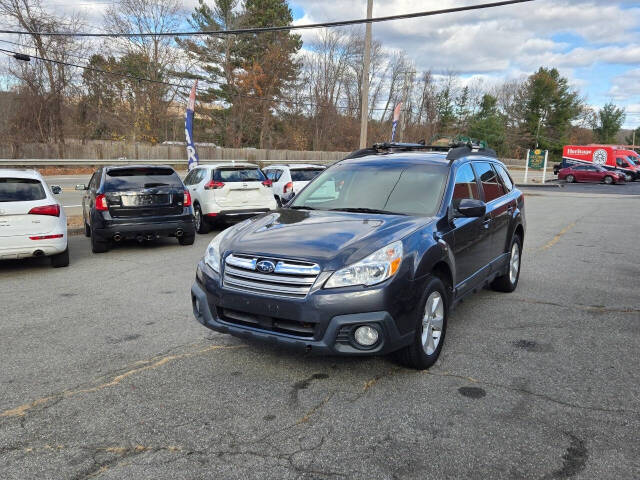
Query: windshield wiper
point(301, 207)
point(365, 210)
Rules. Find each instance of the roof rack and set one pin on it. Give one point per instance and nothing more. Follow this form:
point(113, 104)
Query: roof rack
point(455, 149)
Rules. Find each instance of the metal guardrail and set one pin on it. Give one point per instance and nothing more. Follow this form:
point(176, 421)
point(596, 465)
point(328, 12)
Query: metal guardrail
point(42, 162)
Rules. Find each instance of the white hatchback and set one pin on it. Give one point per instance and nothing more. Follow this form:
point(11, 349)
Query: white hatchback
point(228, 191)
point(32, 221)
point(288, 180)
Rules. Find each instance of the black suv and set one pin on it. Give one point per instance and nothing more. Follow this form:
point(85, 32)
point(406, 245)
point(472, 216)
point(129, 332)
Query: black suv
point(137, 201)
point(370, 257)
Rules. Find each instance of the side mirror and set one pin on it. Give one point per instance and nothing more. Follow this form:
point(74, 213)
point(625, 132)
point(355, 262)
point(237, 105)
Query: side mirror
point(82, 187)
point(56, 189)
point(471, 208)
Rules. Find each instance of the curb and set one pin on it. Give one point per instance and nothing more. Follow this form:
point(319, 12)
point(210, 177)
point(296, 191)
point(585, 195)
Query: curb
point(73, 231)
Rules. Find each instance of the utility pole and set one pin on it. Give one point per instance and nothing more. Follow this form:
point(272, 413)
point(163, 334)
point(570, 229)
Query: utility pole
point(364, 118)
point(538, 131)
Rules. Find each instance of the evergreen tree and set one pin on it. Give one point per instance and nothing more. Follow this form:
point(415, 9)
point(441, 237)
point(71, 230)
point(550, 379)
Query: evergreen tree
point(489, 124)
point(547, 106)
point(607, 123)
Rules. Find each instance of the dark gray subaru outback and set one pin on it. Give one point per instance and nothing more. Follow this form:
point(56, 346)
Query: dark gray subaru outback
point(371, 256)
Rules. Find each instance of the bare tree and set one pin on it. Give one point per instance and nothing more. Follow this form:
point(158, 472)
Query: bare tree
point(47, 83)
point(153, 56)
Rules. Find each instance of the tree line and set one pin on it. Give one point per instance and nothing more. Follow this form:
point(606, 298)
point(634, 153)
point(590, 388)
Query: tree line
point(264, 90)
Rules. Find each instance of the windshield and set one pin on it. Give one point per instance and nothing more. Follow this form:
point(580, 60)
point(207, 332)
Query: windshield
point(227, 175)
point(400, 188)
point(21, 190)
point(633, 160)
point(305, 175)
point(122, 179)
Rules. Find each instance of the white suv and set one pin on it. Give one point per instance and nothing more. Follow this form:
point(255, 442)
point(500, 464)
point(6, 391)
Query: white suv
point(229, 190)
point(288, 180)
point(32, 221)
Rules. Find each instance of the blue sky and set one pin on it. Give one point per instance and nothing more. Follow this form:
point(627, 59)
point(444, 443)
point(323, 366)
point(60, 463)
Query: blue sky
point(596, 44)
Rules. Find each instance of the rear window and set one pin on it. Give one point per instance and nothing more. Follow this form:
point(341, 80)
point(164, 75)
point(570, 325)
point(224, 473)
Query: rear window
point(227, 175)
point(306, 174)
point(21, 190)
point(121, 179)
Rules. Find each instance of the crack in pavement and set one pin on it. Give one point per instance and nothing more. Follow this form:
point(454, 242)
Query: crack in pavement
point(532, 393)
point(586, 308)
point(21, 410)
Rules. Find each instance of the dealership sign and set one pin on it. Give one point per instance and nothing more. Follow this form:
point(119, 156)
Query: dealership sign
point(536, 160)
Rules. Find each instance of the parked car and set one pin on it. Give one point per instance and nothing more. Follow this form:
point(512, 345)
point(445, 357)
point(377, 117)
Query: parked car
point(32, 221)
point(610, 157)
point(288, 180)
point(142, 202)
point(228, 191)
point(370, 257)
point(590, 173)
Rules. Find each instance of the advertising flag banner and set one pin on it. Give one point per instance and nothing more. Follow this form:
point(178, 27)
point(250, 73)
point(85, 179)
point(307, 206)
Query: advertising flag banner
point(192, 155)
point(396, 118)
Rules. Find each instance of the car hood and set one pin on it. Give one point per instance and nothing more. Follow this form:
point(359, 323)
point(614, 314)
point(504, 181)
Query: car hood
point(331, 239)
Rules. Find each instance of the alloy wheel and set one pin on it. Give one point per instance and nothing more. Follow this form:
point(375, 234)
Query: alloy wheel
point(197, 218)
point(432, 322)
point(514, 263)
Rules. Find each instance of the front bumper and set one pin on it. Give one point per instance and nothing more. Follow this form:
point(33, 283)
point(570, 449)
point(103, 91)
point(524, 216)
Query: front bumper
point(333, 317)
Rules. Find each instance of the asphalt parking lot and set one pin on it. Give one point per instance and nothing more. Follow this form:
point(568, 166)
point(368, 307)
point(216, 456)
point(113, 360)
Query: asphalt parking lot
point(105, 373)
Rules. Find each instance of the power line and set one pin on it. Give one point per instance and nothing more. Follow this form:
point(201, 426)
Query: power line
point(22, 56)
point(283, 28)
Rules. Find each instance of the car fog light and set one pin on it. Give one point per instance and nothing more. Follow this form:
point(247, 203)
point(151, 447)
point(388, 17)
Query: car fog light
point(366, 336)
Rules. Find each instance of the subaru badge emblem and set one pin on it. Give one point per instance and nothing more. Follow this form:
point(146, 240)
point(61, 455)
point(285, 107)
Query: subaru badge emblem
point(265, 266)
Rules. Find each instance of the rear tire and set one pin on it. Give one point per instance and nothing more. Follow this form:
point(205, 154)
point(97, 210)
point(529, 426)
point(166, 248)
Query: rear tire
point(187, 239)
point(278, 201)
point(98, 246)
point(570, 178)
point(200, 222)
point(87, 230)
point(431, 326)
point(509, 281)
point(608, 179)
point(61, 259)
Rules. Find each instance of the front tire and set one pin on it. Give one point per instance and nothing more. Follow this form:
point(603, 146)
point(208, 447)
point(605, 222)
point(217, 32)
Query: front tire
point(608, 179)
point(199, 220)
point(570, 178)
point(508, 282)
point(431, 326)
point(61, 259)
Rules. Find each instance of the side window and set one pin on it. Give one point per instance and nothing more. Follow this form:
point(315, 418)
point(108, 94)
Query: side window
point(466, 185)
point(271, 175)
point(506, 179)
point(95, 180)
point(277, 174)
point(489, 178)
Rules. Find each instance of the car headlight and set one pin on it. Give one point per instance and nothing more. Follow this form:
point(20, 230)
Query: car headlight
point(212, 255)
point(374, 269)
